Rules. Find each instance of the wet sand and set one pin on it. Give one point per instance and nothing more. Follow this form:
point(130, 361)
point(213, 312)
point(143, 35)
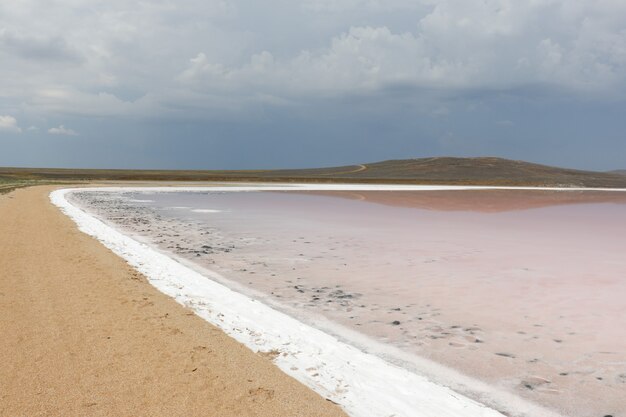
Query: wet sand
point(84, 335)
point(528, 298)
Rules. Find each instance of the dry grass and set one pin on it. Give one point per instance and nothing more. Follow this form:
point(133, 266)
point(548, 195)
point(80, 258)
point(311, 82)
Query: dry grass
point(9, 184)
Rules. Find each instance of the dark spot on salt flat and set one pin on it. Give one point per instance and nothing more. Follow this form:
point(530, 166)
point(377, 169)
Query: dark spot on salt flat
point(506, 355)
point(395, 323)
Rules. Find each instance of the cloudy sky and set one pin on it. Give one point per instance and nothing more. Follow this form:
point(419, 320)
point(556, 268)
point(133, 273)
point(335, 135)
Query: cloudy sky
point(294, 83)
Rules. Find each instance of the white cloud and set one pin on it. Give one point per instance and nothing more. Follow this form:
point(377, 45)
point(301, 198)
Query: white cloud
point(9, 124)
point(62, 130)
point(456, 46)
point(364, 58)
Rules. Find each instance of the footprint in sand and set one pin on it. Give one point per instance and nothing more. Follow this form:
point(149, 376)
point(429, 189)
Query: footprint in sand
point(260, 394)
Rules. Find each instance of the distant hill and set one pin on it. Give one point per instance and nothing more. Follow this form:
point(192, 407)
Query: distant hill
point(447, 170)
point(618, 171)
point(444, 170)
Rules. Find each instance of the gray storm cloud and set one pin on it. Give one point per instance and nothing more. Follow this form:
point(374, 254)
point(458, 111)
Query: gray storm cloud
point(165, 50)
point(203, 60)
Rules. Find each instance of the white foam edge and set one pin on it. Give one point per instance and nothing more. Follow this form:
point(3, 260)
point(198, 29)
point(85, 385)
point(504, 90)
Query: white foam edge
point(364, 385)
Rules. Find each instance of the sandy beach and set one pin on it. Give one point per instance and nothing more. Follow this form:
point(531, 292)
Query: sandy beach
point(84, 334)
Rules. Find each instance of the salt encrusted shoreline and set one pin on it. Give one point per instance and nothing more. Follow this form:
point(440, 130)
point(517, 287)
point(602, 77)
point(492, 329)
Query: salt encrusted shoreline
point(363, 384)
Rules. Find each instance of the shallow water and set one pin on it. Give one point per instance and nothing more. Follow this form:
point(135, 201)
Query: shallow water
point(525, 290)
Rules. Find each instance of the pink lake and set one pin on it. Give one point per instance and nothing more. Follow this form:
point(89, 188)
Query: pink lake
point(525, 290)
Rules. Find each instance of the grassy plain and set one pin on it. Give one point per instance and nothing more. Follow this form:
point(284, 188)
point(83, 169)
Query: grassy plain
point(445, 170)
point(10, 184)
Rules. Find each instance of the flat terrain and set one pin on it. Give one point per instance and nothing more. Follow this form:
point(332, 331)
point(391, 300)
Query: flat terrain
point(464, 171)
point(83, 334)
point(9, 184)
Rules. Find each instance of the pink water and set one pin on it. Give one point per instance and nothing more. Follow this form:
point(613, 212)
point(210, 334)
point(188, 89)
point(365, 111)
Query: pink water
point(524, 290)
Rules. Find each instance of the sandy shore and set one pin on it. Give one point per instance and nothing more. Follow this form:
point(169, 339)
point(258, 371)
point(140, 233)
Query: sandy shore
point(83, 334)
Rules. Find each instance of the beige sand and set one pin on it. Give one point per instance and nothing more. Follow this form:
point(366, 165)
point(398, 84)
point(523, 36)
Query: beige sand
point(83, 334)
